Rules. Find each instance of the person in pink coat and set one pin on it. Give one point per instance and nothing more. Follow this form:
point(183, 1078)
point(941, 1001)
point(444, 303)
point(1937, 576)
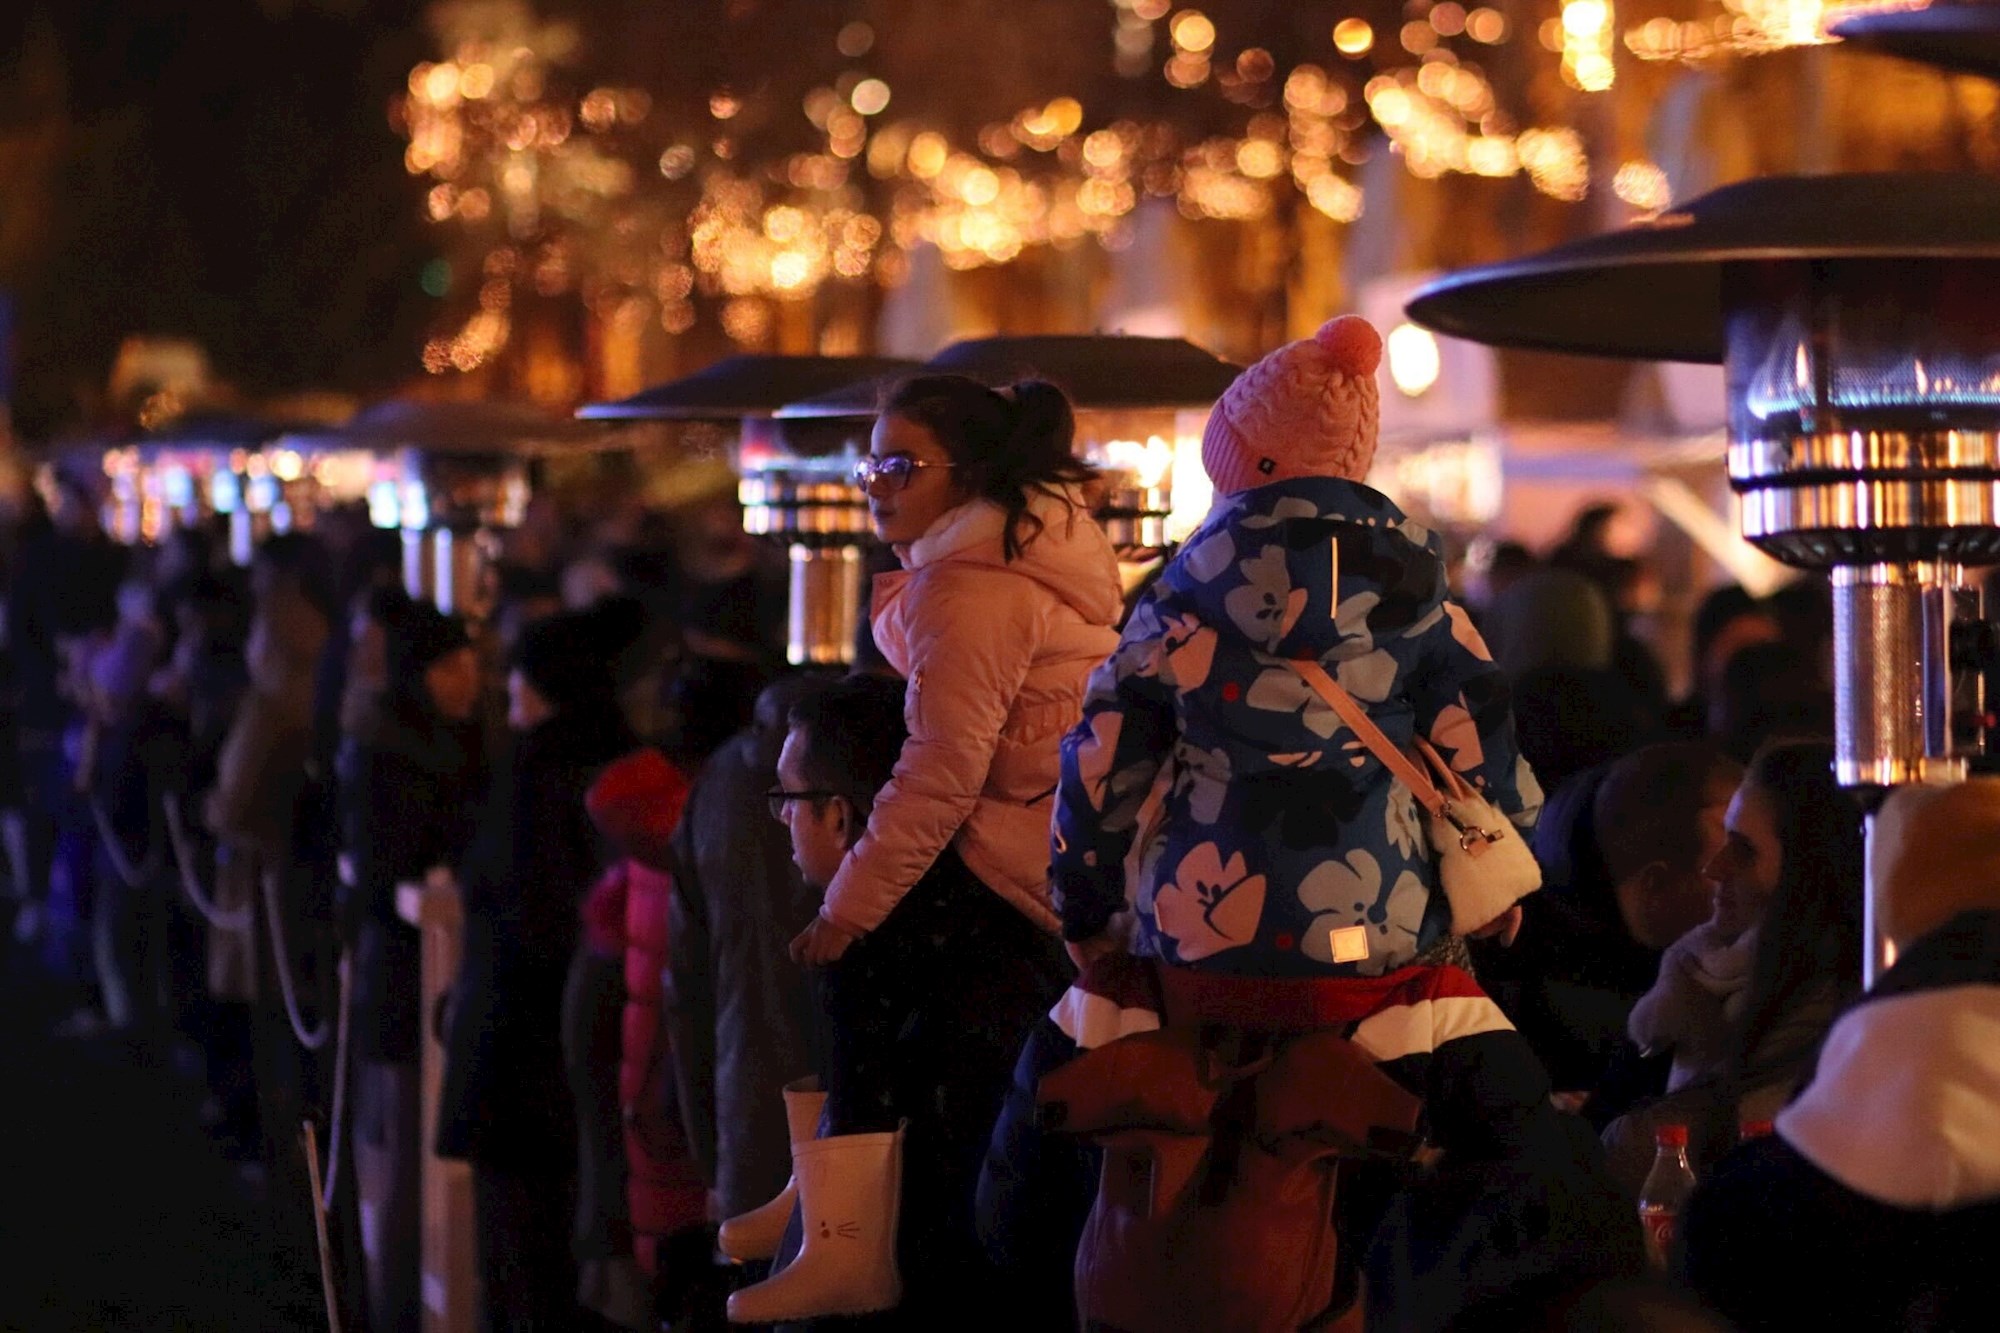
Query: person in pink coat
point(636, 803)
point(936, 938)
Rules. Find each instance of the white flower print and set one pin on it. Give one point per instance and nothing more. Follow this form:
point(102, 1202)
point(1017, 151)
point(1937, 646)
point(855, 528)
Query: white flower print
point(1351, 618)
point(1279, 690)
point(1529, 788)
point(1348, 893)
point(1404, 824)
point(1456, 736)
point(1426, 623)
point(1267, 606)
point(1467, 633)
point(1287, 508)
point(1095, 750)
point(1210, 905)
point(1202, 776)
point(1206, 558)
point(1188, 649)
point(1369, 677)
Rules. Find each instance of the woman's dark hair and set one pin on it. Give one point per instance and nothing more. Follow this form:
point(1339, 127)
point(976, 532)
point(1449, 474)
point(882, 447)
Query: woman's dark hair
point(1811, 935)
point(1005, 444)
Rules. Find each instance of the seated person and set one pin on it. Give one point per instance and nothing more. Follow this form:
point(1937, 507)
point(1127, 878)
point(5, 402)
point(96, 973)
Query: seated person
point(1622, 849)
point(1792, 858)
point(1876, 1204)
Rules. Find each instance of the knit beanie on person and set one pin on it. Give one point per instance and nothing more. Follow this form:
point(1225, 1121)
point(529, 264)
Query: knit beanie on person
point(1308, 409)
point(419, 635)
point(1932, 856)
point(637, 803)
point(572, 658)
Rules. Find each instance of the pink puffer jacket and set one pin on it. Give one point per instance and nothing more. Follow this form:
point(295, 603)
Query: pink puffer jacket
point(996, 655)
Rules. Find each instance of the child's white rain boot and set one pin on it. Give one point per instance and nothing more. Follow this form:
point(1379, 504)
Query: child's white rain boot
point(850, 1191)
point(756, 1234)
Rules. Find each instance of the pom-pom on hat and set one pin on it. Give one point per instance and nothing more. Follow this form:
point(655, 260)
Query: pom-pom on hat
point(637, 802)
point(1308, 409)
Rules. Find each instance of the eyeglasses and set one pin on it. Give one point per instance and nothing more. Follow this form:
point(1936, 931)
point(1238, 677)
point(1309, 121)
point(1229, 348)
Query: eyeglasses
point(892, 473)
point(778, 798)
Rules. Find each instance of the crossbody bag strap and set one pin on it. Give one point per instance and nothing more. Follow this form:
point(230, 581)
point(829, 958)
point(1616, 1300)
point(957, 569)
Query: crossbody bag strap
point(1356, 717)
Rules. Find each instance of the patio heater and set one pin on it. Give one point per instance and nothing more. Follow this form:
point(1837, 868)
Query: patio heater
point(1853, 318)
point(449, 476)
point(793, 479)
point(1140, 404)
point(1960, 35)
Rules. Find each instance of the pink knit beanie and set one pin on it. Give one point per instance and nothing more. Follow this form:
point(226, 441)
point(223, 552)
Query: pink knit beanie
point(1308, 409)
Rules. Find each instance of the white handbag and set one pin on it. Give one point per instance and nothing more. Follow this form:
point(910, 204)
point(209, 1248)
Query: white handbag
point(1484, 863)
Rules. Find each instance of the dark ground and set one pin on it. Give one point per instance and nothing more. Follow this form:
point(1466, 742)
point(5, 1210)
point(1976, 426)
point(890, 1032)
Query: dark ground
point(117, 1210)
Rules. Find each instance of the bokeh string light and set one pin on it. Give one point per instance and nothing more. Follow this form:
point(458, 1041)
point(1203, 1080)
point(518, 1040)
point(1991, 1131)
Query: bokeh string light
point(644, 210)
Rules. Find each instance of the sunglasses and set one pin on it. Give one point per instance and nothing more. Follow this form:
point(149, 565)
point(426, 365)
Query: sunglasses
point(890, 474)
point(778, 798)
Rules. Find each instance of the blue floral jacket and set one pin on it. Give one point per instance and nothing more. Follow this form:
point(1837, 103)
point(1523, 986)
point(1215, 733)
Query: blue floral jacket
point(1259, 827)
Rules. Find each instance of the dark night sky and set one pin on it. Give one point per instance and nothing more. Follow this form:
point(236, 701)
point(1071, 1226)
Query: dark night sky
point(223, 170)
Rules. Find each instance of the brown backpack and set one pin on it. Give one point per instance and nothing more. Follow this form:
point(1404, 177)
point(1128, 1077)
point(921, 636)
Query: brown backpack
point(1215, 1210)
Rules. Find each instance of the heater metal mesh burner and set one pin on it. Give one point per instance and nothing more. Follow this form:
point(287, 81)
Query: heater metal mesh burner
point(1853, 315)
point(1864, 400)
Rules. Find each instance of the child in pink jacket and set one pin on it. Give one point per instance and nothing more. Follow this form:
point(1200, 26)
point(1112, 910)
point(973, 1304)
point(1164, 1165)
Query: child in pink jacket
point(636, 803)
point(1006, 600)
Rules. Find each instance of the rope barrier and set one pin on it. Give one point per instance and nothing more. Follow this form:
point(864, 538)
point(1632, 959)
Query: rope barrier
point(177, 838)
point(337, 1122)
point(114, 851)
point(314, 1040)
point(310, 1038)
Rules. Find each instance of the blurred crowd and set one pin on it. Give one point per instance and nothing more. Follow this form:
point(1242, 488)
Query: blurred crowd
point(682, 996)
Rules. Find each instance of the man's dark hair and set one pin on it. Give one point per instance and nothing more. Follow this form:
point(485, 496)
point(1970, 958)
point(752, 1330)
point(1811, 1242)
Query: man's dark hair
point(852, 733)
point(1646, 807)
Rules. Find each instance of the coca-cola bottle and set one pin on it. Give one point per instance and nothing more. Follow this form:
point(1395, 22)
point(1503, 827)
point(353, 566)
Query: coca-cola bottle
point(1665, 1192)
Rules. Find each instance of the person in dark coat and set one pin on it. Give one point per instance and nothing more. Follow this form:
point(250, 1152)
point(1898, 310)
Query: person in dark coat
point(65, 589)
point(742, 1019)
point(1622, 848)
point(410, 777)
point(1876, 1204)
point(505, 1104)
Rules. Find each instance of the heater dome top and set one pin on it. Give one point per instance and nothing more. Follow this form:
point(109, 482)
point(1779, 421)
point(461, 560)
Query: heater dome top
point(1097, 370)
point(743, 386)
point(1654, 290)
point(1963, 37)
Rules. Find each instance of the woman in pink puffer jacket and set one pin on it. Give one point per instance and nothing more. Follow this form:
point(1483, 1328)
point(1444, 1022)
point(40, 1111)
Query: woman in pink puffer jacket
point(1007, 599)
point(936, 938)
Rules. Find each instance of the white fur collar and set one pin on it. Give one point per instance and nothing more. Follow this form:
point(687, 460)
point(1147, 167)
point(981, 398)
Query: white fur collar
point(1905, 1107)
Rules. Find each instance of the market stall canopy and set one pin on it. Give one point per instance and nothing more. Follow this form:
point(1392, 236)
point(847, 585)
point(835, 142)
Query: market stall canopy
point(467, 428)
point(744, 386)
point(1107, 371)
point(1964, 37)
point(1654, 289)
point(217, 430)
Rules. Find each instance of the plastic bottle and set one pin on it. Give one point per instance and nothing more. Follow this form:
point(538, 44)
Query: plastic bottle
point(1666, 1192)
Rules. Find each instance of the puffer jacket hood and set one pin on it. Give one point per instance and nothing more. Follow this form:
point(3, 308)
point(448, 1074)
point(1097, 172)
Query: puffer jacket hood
point(1067, 556)
point(996, 653)
point(1279, 829)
